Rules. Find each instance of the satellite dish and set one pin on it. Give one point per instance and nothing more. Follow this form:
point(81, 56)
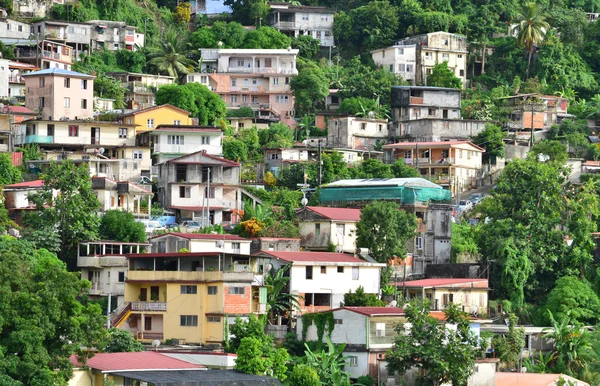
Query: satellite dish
point(371, 114)
point(155, 344)
point(101, 150)
point(339, 249)
point(269, 267)
point(474, 309)
point(304, 201)
point(220, 244)
point(393, 303)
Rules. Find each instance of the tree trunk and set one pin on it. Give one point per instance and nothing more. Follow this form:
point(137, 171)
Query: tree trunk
point(483, 56)
point(528, 63)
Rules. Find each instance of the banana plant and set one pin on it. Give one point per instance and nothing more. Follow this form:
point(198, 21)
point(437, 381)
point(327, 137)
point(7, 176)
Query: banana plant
point(329, 365)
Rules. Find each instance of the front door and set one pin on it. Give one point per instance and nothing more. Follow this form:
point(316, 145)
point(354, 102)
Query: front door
point(95, 133)
point(143, 294)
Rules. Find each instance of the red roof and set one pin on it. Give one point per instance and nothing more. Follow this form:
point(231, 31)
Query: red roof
point(26, 184)
point(19, 110)
point(373, 311)
point(203, 236)
point(339, 214)
point(441, 282)
point(435, 144)
point(127, 361)
point(328, 257)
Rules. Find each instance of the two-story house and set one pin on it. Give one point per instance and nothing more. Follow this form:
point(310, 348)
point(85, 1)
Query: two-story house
point(198, 242)
point(114, 35)
point(276, 159)
point(422, 52)
point(295, 20)
point(454, 164)
point(140, 89)
point(321, 227)
point(256, 78)
point(172, 141)
point(322, 278)
point(368, 333)
point(429, 202)
point(531, 113)
point(356, 132)
point(14, 29)
point(16, 82)
point(185, 296)
point(74, 35)
point(60, 94)
point(45, 54)
point(103, 263)
point(122, 195)
point(150, 118)
point(201, 186)
point(422, 113)
point(16, 198)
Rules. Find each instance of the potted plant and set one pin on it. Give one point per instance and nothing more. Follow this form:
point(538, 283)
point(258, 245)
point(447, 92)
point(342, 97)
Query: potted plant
point(388, 293)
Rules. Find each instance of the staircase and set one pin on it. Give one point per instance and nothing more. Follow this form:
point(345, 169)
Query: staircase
point(120, 315)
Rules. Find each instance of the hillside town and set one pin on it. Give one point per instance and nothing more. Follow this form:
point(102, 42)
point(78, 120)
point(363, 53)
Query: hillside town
point(323, 192)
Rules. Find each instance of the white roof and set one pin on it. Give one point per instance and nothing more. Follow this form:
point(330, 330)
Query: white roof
point(244, 51)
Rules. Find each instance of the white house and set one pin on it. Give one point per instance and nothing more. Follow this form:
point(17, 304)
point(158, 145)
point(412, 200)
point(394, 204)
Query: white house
point(356, 132)
point(197, 242)
point(322, 226)
point(295, 20)
point(398, 59)
point(275, 159)
point(176, 140)
point(322, 278)
point(122, 195)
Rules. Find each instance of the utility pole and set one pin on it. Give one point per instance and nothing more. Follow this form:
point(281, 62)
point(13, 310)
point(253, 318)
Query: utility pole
point(207, 198)
point(532, 125)
point(320, 165)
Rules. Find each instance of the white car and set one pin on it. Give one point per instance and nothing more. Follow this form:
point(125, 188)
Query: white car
point(465, 205)
point(153, 226)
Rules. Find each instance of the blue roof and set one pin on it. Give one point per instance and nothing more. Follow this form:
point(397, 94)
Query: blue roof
point(58, 71)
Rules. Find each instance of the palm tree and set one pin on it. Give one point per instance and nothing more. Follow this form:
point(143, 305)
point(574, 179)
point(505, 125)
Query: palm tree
point(169, 55)
point(531, 28)
point(305, 126)
point(279, 300)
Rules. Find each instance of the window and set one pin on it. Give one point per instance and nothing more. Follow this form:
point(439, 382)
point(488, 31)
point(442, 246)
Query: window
point(236, 290)
point(353, 361)
point(233, 82)
point(188, 320)
point(309, 272)
point(445, 57)
point(240, 63)
point(205, 140)
point(150, 123)
point(324, 18)
point(234, 99)
point(67, 82)
point(8, 26)
point(275, 81)
point(148, 324)
point(428, 55)
point(188, 289)
point(84, 104)
point(162, 247)
point(460, 154)
point(317, 229)
point(304, 17)
point(42, 104)
point(316, 299)
point(380, 329)
point(177, 122)
point(42, 82)
point(122, 132)
point(210, 193)
point(401, 67)
point(391, 68)
point(380, 127)
point(184, 192)
point(354, 273)
point(409, 68)
point(67, 102)
point(84, 84)
point(213, 319)
point(340, 269)
point(338, 321)
point(462, 72)
point(363, 126)
point(460, 56)
point(115, 46)
point(419, 242)
point(73, 131)
point(323, 269)
point(175, 140)
point(431, 112)
point(137, 154)
point(212, 289)
point(154, 292)
point(121, 277)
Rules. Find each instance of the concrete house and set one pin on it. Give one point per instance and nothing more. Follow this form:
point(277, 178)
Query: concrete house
point(60, 94)
point(196, 242)
point(16, 82)
point(150, 118)
point(453, 164)
point(172, 141)
point(295, 20)
point(322, 226)
point(427, 114)
point(122, 195)
point(140, 89)
point(277, 159)
point(322, 278)
point(256, 78)
point(368, 333)
point(44, 54)
point(114, 35)
point(534, 112)
point(200, 185)
point(16, 197)
point(74, 35)
point(356, 132)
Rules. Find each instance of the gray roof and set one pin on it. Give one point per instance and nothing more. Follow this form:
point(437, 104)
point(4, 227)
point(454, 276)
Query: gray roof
point(430, 88)
point(60, 72)
point(199, 378)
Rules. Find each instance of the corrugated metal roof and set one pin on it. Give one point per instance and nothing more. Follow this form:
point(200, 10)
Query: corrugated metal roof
point(200, 378)
point(203, 236)
point(367, 182)
point(340, 214)
point(58, 71)
point(26, 184)
point(439, 282)
point(433, 144)
point(374, 311)
point(144, 360)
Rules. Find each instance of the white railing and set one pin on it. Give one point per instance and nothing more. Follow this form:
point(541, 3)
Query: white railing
point(148, 306)
point(240, 267)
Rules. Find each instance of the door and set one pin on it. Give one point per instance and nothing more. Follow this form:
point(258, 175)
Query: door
point(94, 277)
point(95, 134)
point(143, 294)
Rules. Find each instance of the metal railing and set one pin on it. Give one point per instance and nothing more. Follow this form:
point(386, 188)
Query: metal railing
point(148, 306)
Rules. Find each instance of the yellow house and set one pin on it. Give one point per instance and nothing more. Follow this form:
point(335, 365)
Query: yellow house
point(185, 296)
point(150, 118)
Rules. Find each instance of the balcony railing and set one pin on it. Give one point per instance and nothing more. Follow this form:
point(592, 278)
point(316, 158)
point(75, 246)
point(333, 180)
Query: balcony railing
point(135, 275)
point(39, 139)
point(429, 161)
point(149, 306)
point(16, 79)
point(96, 288)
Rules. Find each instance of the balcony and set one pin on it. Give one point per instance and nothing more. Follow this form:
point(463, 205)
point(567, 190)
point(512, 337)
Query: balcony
point(96, 288)
point(262, 70)
point(429, 161)
point(39, 139)
point(16, 79)
point(149, 306)
point(113, 261)
point(193, 276)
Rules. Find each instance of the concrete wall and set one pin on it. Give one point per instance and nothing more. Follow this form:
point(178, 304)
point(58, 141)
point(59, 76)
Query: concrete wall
point(353, 132)
point(57, 95)
point(515, 151)
point(192, 142)
point(337, 233)
point(435, 130)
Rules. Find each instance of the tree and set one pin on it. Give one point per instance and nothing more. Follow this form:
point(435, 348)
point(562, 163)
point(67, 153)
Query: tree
point(308, 46)
point(279, 300)
point(121, 226)
point(253, 327)
point(46, 317)
point(555, 150)
point(329, 365)
point(183, 12)
point(442, 354)
point(234, 150)
point(574, 298)
point(492, 140)
point(169, 55)
point(260, 357)
point(311, 86)
point(72, 214)
point(571, 344)
point(304, 375)
point(510, 346)
point(401, 170)
point(360, 80)
point(442, 76)
point(531, 28)
point(483, 26)
point(385, 229)
point(266, 38)
point(122, 341)
point(362, 299)
point(196, 98)
point(9, 174)
point(276, 136)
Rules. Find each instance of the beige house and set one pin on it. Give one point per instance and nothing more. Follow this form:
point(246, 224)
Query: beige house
point(60, 94)
point(122, 195)
point(321, 227)
point(452, 163)
point(140, 89)
point(356, 132)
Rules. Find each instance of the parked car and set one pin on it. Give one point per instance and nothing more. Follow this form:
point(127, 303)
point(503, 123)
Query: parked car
point(190, 226)
point(152, 226)
point(465, 205)
point(476, 198)
point(171, 227)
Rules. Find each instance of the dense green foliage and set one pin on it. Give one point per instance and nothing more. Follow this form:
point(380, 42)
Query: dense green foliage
point(205, 105)
point(121, 226)
point(122, 341)
point(361, 299)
